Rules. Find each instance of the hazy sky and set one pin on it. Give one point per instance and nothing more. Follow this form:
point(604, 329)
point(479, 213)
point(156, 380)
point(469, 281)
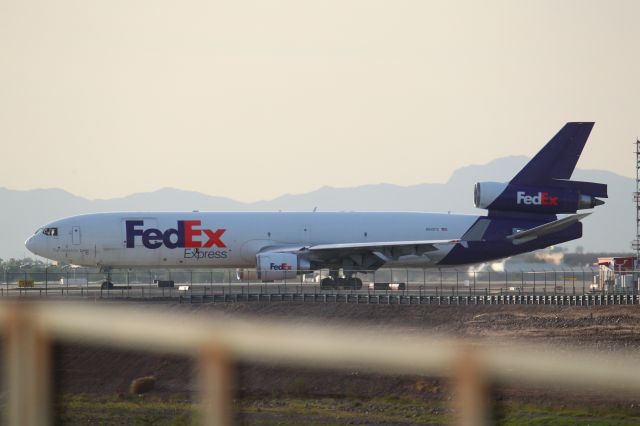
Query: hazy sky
point(251, 100)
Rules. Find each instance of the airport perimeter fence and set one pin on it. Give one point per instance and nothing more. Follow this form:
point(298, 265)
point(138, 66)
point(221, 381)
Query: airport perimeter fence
point(29, 329)
point(204, 283)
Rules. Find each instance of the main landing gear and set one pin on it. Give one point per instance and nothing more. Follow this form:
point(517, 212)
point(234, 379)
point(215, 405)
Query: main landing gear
point(335, 282)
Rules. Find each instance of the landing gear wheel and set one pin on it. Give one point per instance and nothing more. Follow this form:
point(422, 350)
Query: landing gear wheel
point(351, 283)
point(107, 283)
point(357, 284)
point(327, 284)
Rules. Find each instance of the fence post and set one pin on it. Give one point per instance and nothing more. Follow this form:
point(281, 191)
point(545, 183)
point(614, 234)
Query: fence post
point(216, 382)
point(27, 369)
point(457, 282)
point(474, 282)
point(534, 281)
point(472, 402)
point(406, 287)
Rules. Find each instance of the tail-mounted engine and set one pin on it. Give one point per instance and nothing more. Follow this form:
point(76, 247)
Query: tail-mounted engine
point(562, 196)
point(280, 266)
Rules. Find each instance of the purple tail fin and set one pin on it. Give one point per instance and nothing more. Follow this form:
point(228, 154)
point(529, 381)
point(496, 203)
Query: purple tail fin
point(558, 158)
point(543, 186)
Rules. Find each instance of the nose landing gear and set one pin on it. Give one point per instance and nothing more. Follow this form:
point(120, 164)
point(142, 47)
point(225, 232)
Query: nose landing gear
point(107, 283)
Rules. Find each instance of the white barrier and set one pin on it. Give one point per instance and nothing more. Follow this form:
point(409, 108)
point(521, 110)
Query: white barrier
point(73, 281)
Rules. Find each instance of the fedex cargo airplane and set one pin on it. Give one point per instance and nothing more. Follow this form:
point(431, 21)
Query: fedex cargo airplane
point(521, 217)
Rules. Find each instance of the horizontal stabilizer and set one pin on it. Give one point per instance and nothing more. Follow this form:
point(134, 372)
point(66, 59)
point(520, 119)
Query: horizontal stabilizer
point(548, 228)
point(588, 188)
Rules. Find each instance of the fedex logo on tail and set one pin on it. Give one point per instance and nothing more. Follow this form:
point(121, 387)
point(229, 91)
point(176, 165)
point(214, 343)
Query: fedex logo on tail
point(542, 199)
point(188, 234)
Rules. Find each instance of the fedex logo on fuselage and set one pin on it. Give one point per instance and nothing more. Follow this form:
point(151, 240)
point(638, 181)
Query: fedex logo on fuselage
point(280, 267)
point(542, 199)
point(188, 234)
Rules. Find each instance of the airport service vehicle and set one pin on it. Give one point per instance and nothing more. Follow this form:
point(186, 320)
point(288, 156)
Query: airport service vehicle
point(522, 217)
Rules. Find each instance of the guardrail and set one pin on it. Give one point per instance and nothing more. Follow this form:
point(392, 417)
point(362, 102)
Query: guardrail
point(215, 345)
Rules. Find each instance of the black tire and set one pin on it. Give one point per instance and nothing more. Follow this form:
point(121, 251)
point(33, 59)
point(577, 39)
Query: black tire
point(357, 284)
point(106, 285)
point(327, 284)
point(351, 284)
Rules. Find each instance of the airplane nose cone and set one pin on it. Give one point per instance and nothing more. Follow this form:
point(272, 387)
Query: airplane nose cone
point(30, 244)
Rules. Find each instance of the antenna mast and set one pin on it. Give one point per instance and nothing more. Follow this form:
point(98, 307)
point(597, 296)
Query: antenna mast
point(636, 197)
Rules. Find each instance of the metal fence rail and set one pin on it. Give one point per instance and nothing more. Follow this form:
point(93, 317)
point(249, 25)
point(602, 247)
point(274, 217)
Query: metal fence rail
point(216, 342)
point(412, 286)
point(373, 298)
point(443, 282)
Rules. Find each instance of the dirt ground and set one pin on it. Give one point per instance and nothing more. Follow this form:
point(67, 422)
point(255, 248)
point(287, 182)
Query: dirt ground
point(99, 371)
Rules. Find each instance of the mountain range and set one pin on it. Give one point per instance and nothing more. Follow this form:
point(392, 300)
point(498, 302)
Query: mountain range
point(609, 229)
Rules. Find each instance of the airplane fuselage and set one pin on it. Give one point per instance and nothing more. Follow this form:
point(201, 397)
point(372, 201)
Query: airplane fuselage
point(521, 217)
point(233, 239)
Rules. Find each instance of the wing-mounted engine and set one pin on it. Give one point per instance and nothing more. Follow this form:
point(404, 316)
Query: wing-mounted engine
point(556, 197)
point(272, 266)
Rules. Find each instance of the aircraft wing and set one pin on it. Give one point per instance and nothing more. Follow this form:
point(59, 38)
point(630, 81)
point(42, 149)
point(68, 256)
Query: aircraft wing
point(427, 245)
point(548, 228)
point(369, 255)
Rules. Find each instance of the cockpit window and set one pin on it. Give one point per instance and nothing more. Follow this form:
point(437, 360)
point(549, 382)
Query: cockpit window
point(51, 232)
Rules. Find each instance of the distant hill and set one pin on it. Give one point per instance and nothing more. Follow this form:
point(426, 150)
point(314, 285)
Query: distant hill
point(610, 229)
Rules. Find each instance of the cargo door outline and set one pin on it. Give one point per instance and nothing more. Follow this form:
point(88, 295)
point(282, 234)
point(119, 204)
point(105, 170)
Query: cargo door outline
point(76, 237)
